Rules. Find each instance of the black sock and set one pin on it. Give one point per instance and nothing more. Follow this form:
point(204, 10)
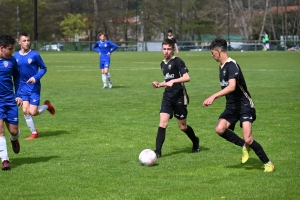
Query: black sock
point(259, 151)
point(232, 137)
point(190, 133)
point(160, 138)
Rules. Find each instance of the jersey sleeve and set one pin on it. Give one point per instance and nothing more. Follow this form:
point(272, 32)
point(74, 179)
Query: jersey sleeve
point(181, 66)
point(113, 46)
point(233, 70)
point(42, 66)
point(95, 47)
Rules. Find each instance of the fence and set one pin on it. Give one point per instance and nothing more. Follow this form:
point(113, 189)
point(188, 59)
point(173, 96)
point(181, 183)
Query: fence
point(156, 46)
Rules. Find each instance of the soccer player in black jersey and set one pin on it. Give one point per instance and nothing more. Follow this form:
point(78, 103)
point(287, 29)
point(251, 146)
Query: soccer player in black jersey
point(171, 37)
point(175, 98)
point(239, 105)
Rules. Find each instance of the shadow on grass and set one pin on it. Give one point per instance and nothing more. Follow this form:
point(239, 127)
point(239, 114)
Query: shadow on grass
point(251, 164)
point(27, 160)
point(52, 133)
point(185, 150)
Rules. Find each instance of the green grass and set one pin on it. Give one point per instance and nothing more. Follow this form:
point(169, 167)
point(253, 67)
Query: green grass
point(89, 148)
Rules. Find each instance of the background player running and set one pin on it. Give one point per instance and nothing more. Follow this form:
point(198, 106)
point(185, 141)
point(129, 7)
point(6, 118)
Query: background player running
point(175, 98)
point(32, 69)
point(239, 105)
point(9, 82)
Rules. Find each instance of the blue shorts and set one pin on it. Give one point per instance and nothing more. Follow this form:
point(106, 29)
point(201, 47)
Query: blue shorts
point(9, 113)
point(34, 98)
point(104, 65)
point(242, 115)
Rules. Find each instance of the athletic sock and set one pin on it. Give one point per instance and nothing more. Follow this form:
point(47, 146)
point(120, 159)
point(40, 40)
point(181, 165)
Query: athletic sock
point(3, 149)
point(233, 138)
point(30, 123)
point(108, 77)
point(104, 79)
point(15, 137)
point(259, 151)
point(191, 134)
point(160, 138)
point(42, 108)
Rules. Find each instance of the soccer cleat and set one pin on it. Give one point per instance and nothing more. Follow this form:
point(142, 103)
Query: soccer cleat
point(104, 86)
point(33, 136)
point(15, 146)
point(50, 108)
point(158, 153)
point(5, 165)
point(110, 85)
point(245, 155)
point(269, 167)
point(196, 146)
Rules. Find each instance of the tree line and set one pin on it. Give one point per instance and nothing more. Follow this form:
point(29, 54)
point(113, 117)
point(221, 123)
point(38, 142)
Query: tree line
point(146, 20)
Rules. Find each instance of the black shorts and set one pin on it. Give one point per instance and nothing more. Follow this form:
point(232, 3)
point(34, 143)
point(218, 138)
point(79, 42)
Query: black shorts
point(244, 115)
point(179, 111)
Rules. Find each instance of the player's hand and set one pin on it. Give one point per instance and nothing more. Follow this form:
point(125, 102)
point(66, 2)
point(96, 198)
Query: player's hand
point(31, 80)
point(19, 101)
point(169, 84)
point(155, 84)
point(208, 101)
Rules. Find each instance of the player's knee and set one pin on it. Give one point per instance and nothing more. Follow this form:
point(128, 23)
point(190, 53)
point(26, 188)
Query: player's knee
point(163, 124)
point(248, 140)
point(220, 130)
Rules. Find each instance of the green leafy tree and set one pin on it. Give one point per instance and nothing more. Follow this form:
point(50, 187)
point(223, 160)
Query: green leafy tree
point(74, 24)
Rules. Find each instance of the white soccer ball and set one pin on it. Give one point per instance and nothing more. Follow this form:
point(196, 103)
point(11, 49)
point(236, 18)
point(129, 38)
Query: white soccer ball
point(147, 157)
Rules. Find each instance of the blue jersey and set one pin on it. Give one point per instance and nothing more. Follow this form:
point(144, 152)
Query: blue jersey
point(30, 65)
point(9, 81)
point(103, 48)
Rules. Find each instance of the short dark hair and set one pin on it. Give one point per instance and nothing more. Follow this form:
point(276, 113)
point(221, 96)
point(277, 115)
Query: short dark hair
point(170, 31)
point(23, 34)
point(6, 40)
point(218, 43)
point(168, 42)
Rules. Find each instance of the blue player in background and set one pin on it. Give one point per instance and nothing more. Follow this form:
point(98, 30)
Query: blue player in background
point(32, 69)
point(105, 47)
point(9, 82)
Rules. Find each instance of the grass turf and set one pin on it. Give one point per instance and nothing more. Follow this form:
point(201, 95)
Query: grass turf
point(89, 149)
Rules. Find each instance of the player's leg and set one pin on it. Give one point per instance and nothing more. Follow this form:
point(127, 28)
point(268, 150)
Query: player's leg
point(29, 120)
point(12, 122)
point(3, 148)
point(107, 65)
point(161, 132)
point(104, 76)
point(257, 148)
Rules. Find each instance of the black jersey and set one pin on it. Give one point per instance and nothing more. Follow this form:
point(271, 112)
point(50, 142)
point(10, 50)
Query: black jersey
point(174, 69)
point(240, 97)
point(173, 39)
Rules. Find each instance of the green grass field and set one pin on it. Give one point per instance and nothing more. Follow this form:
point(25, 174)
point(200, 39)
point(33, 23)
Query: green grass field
point(89, 149)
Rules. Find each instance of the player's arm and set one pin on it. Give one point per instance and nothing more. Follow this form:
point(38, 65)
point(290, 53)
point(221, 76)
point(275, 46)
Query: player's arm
point(95, 47)
point(157, 84)
point(230, 88)
point(114, 47)
point(42, 70)
point(185, 78)
point(16, 81)
point(176, 48)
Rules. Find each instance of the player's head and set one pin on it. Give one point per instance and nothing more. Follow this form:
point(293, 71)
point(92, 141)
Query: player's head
point(218, 48)
point(24, 40)
point(102, 36)
point(6, 46)
point(219, 43)
point(170, 33)
point(168, 48)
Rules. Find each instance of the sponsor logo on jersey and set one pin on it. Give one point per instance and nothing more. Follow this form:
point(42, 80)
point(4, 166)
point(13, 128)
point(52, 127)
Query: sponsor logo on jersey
point(29, 60)
point(224, 83)
point(169, 76)
point(5, 63)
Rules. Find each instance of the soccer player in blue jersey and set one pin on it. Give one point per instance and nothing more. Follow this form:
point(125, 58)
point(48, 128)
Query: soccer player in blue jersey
point(175, 98)
point(105, 47)
point(9, 102)
point(239, 105)
point(32, 69)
